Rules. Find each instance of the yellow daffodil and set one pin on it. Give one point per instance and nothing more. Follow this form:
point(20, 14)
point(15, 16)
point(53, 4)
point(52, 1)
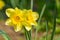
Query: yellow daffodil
point(19, 18)
point(15, 18)
point(31, 18)
point(2, 4)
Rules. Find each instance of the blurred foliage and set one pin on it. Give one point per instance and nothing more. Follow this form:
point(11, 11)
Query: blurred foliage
point(44, 37)
point(55, 38)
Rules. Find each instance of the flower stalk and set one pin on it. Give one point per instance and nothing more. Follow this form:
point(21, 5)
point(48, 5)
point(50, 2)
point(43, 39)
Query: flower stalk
point(46, 29)
point(54, 20)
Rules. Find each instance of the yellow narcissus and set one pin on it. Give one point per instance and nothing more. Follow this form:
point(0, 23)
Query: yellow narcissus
point(2, 4)
point(19, 18)
point(15, 18)
point(31, 18)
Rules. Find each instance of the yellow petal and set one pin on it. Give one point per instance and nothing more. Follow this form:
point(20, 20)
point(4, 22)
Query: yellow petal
point(18, 27)
point(28, 28)
point(10, 12)
point(8, 22)
point(18, 11)
point(34, 23)
point(35, 15)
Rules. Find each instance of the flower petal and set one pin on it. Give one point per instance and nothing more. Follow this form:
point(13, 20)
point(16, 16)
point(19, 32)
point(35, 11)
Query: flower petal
point(35, 15)
point(28, 28)
point(10, 12)
point(18, 27)
point(34, 23)
point(18, 11)
point(8, 22)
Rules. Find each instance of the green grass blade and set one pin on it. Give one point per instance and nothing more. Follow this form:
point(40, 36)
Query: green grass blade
point(46, 29)
point(54, 20)
point(5, 36)
point(43, 9)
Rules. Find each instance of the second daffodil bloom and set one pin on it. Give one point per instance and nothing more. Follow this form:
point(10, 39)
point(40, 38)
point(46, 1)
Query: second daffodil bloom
point(21, 18)
point(31, 18)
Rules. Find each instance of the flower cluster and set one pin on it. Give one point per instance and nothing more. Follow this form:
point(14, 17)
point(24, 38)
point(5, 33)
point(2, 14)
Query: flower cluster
point(21, 18)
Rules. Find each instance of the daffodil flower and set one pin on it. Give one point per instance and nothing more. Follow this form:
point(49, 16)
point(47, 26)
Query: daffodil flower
point(30, 20)
point(15, 18)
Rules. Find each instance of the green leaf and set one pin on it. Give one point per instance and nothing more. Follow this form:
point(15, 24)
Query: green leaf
point(4, 34)
point(13, 3)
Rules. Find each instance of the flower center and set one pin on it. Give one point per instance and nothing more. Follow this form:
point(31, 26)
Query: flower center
point(17, 17)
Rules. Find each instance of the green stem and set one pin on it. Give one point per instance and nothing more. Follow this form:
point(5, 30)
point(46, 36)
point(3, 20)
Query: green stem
point(36, 34)
point(29, 34)
point(26, 34)
point(46, 29)
point(32, 4)
point(54, 27)
point(54, 22)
